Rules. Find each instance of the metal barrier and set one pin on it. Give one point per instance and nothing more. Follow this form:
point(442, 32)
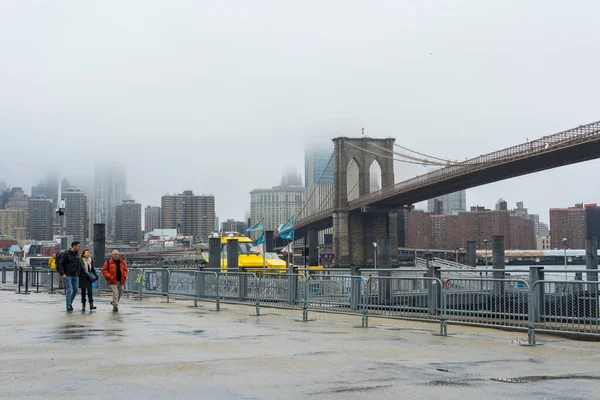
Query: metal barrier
point(334, 293)
point(239, 288)
point(488, 302)
point(567, 307)
point(498, 300)
point(407, 298)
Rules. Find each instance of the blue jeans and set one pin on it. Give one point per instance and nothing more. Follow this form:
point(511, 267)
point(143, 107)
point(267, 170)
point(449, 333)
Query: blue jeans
point(72, 284)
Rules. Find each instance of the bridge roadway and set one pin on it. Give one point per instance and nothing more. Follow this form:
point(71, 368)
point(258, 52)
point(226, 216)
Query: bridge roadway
point(155, 350)
point(570, 147)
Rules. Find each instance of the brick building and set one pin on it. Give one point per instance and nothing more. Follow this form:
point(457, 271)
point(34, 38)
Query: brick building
point(568, 223)
point(427, 230)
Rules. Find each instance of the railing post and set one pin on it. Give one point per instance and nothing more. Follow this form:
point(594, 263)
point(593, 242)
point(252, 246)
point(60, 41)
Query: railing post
point(536, 300)
point(434, 292)
point(166, 281)
point(3, 275)
point(16, 274)
point(293, 286)
point(199, 277)
point(51, 282)
point(355, 282)
point(305, 303)
point(365, 313)
point(218, 292)
point(243, 286)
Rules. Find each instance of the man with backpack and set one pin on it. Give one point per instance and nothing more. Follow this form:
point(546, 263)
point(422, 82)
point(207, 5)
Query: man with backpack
point(69, 267)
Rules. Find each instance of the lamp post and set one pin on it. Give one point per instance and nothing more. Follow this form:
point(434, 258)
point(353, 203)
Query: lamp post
point(485, 241)
point(565, 250)
point(375, 253)
point(456, 255)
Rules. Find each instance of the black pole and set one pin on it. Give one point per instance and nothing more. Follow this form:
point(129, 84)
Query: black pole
point(51, 282)
point(27, 281)
point(37, 280)
point(20, 274)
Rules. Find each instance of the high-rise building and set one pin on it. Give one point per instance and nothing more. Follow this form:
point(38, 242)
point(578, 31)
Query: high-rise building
point(39, 191)
point(190, 214)
point(501, 205)
point(592, 220)
point(12, 223)
point(110, 188)
point(4, 197)
point(275, 206)
point(318, 165)
point(18, 200)
point(319, 168)
point(39, 223)
point(75, 218)
point(452, 203)
point(544, 230)
point(52, 187)
point(128, 222)
point(152, 218)
point(231, 225)
point(568, 223)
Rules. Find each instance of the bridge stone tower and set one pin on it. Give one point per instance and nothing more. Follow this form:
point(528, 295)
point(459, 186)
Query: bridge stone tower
point(355, 230)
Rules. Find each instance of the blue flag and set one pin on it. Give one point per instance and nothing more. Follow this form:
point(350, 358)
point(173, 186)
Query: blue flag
point(261, 239)
point(256, 227)
point(288, 236)
point(287, 225)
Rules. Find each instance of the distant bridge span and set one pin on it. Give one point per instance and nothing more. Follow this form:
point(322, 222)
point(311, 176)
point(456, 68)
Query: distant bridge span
point(569, 147)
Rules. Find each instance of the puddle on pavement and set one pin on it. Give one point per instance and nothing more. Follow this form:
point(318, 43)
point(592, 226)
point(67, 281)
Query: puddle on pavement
point(79, 332)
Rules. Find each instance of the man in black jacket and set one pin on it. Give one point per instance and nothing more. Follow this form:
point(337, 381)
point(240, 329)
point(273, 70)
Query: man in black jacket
point(69, 267)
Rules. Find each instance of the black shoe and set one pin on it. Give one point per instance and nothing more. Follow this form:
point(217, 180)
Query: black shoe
point(70, 309)
point(92, 307)
point(115, 309)
point(83, 307)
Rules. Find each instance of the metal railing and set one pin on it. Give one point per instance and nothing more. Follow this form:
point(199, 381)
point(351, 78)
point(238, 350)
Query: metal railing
point(501, 300)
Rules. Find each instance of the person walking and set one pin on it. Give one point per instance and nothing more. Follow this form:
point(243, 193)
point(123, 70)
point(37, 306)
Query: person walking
point(115, 271)
point(69, 267)
point(85, 281)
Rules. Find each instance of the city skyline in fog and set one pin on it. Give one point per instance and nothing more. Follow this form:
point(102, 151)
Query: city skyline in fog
point(221, 99)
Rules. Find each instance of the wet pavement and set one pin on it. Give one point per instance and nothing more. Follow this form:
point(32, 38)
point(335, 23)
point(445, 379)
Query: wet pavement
point(157, 350)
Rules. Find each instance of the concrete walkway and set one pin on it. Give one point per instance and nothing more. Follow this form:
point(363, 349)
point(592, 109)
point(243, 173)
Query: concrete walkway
point(155, 350)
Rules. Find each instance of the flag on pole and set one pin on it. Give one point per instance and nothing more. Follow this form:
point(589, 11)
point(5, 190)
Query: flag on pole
point(287, 225)
point(363, 131)
point(288, 236)
point(256, 227)
point(261, 239)
point(289, 249)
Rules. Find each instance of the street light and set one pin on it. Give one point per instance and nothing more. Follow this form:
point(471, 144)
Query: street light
point(485, 241)
point(375, 253)
point(456, 255)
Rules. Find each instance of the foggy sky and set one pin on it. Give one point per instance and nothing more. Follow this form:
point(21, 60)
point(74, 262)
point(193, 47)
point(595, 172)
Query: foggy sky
point(219, 97)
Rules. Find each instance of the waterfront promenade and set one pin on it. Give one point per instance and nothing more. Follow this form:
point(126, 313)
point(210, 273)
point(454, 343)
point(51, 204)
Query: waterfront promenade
point(155, 350)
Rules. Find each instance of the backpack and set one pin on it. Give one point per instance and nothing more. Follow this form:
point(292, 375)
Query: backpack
point(59, 257)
